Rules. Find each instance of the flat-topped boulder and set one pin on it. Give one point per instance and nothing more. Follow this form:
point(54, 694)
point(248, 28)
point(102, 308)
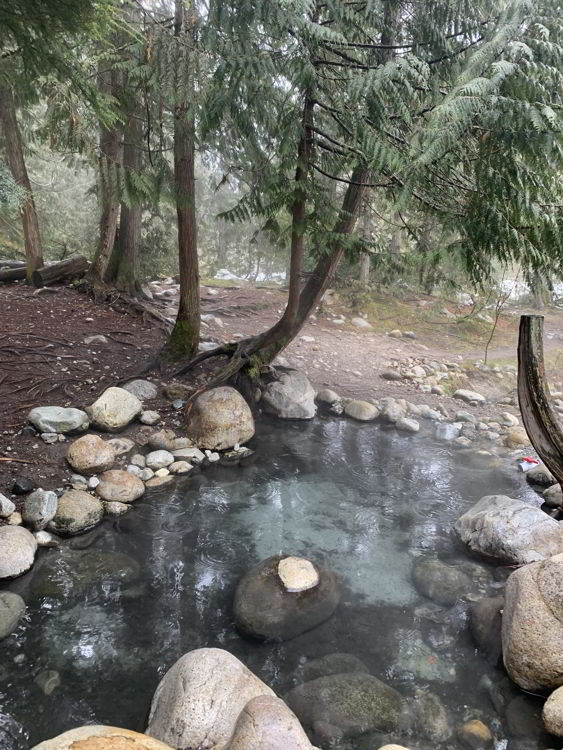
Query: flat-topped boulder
point(510, 530)
point(114, 409)
point(266, 608)
point(58, 419)
point(470, 397)
point(198, 701)
point(219, 419)
point(102, 738)
point(90, 455)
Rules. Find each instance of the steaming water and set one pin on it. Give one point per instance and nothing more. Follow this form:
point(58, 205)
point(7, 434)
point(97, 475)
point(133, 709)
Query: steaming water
point(109, 612)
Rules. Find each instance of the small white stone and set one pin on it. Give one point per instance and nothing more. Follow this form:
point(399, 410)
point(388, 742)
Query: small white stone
point(161, 473)
point(44, 539)
point(297, 574)
point(93, 482)
point(149, 417)
point(180, 467)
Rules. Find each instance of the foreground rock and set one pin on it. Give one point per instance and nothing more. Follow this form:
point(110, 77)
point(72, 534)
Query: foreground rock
point(90, 454)
point(532, 625)
point(290, 397)
point(264, 608)
point(39, 508)
point(114, 410)
point(17, 551)
point(362, 411)
point(119, 487)
point(101, 738)
point(509, 530)
point(220, 419)
point(199, 699)
point(553, 713)
point(266, 723)
point(12, 609)
point(58, 419)
point(355, 703)
point(77, 512)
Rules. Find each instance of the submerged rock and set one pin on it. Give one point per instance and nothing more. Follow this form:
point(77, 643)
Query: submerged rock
point(355, 703)
point(532, 625)
point(77, 512)
point(220, 419)
point(474, 735)
point(486, 625)
point(510, 530)
point(198, 701)
point(101, 738)
point(428, 717)
point(265, 609)
point(442, 583)
point(332, 664)
point(114, 409)
point(290, 397)
point(58, 419)
point(90, 454)
point(12, 609)
point(17, 551)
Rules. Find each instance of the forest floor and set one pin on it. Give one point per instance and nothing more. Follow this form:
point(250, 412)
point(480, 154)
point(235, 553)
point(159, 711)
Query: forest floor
point(44, 359)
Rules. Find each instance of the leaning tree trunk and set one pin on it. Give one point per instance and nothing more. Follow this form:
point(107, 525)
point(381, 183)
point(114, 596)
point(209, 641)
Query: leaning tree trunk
point(14, 154)
point(184, 338)
point(109, 167)
point(539, 419)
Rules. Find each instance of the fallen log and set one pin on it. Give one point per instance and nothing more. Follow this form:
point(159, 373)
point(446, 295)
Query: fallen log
point(12, 274)
point(65, 270)
point(12, 263)
point(540, 421)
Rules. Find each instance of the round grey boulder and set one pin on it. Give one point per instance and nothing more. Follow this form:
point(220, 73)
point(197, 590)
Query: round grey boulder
point(39, 508)
point(355, 703)
point(159, 459)
point(119, 486)
point(265, 609)
point(17, 551)
point(220, 419)
point(199, 699)
point(291, 396)
point(114, 409)
point(12, 609)
point(58, 419)
point(77, 512)
point(144, 390)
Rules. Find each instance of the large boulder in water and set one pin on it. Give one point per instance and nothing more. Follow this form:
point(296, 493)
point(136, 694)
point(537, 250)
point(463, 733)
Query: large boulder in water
point(510, 530)
point(77, 512)
point(355, 703)
point(532, 625)
point(101, 738)
point(114, 409)
point(266, 723)
point(442, 583)
point(219, 419)
point(17, 551)
point(265, 608)
point(291, 396)
point(199, 699)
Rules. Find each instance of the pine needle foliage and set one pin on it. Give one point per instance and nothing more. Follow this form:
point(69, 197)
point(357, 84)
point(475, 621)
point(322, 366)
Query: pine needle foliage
point(451, 107)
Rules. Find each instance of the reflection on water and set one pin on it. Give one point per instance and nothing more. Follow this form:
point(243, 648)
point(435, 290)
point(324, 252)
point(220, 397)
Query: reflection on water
point(111, 617)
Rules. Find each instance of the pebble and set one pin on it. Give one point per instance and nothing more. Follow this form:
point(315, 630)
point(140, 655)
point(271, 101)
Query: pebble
point(15, 519)
point(49, 437)
point(149, 417)
point(7, 507)
point(22, 485)
point(44, 539)
point(146, 474)
point(93, 482)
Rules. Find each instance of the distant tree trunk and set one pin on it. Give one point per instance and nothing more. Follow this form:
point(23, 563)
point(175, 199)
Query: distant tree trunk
point(184, 338)
point(540, 290)
point(365, 260)
point(109, 167)
point(14, 154)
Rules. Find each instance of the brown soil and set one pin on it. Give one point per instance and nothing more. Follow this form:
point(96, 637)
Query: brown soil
point(44, 360)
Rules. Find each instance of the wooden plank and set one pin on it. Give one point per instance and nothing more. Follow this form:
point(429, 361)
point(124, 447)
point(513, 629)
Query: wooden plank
point(540, 420)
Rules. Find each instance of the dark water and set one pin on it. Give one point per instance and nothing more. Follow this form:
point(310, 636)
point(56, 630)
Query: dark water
point(109, 612)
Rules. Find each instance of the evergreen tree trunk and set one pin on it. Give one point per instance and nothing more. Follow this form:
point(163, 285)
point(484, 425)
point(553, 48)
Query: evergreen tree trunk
point(14, 154)
point(184, 338)
point(365, 260)
point(109, 167)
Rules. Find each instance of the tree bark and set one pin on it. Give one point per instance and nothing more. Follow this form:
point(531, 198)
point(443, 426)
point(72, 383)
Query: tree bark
point(109, 167)
point(365, 260)
point(539, 419)
point(71, 268)
point(15, 157)
point(184, 338)
point(13, 274)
